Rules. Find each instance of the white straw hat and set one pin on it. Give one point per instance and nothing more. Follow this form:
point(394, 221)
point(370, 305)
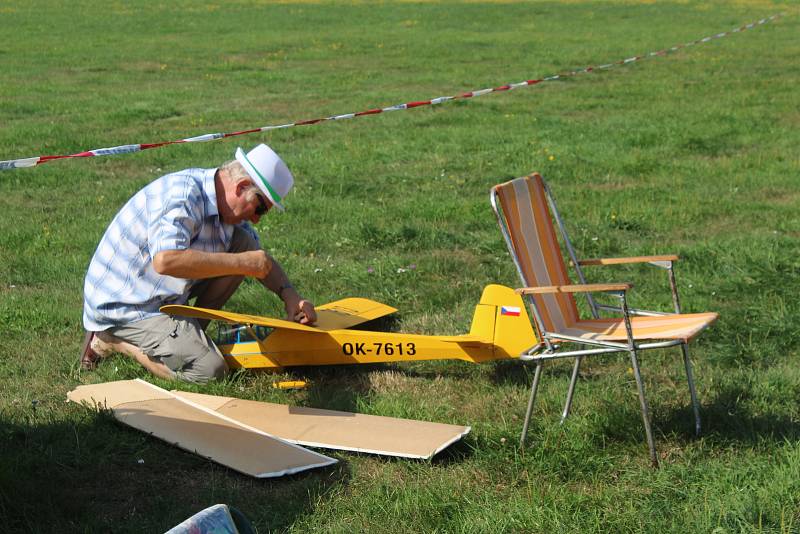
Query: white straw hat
point(268, 172)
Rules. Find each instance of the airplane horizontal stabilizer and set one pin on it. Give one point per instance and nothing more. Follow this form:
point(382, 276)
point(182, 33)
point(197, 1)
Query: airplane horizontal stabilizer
point(464, 339)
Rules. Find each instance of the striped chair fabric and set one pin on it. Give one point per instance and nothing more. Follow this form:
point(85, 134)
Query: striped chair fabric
point(533, 238)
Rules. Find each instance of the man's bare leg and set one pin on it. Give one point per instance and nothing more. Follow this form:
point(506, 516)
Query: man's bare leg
point(104, 344)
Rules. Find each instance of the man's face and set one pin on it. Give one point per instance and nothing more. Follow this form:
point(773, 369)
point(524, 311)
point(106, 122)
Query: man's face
point(263, 205)
point(248, 210)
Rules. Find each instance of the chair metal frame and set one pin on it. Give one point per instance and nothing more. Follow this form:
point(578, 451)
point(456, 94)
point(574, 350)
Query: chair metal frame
point(552, 341)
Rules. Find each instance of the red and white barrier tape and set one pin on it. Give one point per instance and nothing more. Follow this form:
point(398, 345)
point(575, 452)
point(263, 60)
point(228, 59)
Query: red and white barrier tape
point(127, 149)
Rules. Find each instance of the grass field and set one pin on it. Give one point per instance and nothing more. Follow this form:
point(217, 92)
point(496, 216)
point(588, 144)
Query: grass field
point(695, 153)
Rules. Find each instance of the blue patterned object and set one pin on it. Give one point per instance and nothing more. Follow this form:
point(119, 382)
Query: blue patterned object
point(216, 519)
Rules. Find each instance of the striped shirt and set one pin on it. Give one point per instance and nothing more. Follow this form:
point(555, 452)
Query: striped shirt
point(175, 212)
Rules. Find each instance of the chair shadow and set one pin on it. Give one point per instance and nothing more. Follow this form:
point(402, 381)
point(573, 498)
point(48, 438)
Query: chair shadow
point(725, 418)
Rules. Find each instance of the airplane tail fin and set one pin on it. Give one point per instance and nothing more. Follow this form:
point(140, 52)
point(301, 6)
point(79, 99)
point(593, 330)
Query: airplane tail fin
point(502, 317)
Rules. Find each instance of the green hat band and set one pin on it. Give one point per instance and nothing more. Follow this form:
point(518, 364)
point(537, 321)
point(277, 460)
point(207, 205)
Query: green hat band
point(275, 196)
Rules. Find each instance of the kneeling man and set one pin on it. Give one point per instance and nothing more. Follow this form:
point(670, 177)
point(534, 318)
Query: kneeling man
point(184, 235)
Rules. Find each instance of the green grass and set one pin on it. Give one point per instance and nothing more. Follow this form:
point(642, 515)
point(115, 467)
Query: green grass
point(694, 153)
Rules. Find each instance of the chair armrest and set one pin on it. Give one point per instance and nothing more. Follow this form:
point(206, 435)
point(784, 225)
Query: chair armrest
point(634, 259)
point(575, 288)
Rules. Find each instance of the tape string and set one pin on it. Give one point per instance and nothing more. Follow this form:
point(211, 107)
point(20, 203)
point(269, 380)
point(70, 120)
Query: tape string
point(131, 148)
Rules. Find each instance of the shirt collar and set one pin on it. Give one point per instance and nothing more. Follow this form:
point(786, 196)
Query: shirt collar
point(210, 192)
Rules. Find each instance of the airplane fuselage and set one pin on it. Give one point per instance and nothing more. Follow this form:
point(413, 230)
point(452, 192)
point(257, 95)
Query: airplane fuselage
point(283, 348)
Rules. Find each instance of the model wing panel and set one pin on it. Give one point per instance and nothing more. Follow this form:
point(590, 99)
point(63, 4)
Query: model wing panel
point(237, 318)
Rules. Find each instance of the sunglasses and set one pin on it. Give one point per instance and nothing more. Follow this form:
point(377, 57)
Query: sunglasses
point(263, 206)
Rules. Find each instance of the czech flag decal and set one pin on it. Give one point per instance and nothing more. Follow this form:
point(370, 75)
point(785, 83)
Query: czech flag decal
point(513, 311)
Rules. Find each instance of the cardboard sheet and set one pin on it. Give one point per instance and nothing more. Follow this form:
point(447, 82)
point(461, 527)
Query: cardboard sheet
point(198, 429)
point(336, 430)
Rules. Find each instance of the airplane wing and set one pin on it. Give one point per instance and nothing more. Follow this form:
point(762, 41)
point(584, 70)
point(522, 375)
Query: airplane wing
point(335, 315)
point(238, 318)
point(350, 312)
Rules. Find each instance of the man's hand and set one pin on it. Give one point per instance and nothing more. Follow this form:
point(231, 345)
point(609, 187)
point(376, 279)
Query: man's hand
point(257, 263)
point(299, 310)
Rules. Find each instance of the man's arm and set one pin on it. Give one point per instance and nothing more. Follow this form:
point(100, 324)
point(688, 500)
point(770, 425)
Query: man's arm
point(196, 264)
point(297, 308)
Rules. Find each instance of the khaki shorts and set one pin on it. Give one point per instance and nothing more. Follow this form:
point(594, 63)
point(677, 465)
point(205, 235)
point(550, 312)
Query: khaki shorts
point(177, 342)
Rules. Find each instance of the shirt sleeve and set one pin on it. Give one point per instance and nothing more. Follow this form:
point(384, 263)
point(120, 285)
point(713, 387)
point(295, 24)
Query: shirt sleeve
point(174, 220)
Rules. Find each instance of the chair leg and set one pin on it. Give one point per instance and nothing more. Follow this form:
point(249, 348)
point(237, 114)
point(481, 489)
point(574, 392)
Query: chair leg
point(687, 363)
point(571, 391)
point(531, 400)
point(645, 412)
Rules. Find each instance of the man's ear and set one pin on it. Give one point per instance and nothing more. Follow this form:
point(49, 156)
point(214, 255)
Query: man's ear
point(241, 185)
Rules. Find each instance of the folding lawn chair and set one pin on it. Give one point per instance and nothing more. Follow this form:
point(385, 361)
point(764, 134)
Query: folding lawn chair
point(525, 209)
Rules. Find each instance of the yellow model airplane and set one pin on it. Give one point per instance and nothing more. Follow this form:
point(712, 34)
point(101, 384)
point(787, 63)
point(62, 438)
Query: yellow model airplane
point(500, 330)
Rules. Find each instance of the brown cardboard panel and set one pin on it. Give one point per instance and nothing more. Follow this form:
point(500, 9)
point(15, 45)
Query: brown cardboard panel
point(336, 430)
point(200, 430)
point(111, 394)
